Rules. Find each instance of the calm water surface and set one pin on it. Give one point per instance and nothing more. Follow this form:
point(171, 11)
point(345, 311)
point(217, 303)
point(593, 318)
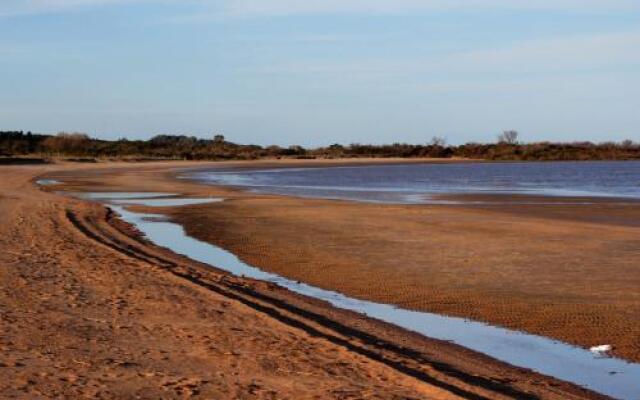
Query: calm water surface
point(417, 183)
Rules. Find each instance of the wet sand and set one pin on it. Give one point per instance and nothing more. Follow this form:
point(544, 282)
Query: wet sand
point(90, 309)
point(566, 272)
point(548, 266)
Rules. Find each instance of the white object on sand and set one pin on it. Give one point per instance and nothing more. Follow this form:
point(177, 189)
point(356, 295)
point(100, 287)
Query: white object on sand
point(601, 350)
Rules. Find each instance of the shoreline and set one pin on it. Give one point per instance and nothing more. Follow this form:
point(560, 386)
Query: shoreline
point(93, 312)
point(606, 375)
point(599, 212)
point(431, 352)
point(418, 197)
point(242, 203)
point(451, 355)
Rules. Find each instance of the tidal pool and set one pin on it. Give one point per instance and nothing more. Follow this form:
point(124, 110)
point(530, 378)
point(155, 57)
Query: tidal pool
point(169, 202)
point(47, 182)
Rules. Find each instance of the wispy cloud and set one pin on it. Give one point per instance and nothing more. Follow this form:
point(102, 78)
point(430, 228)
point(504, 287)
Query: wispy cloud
point(211, 8)
point(27, 7)
point(571, 53)
point(283, 7)
point(551, 57)
point(396, 6)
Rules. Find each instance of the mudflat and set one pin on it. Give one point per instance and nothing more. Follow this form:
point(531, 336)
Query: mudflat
point(90, 309)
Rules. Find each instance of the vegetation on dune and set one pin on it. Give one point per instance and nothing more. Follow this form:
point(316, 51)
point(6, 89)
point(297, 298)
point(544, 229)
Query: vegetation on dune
point(81, 147)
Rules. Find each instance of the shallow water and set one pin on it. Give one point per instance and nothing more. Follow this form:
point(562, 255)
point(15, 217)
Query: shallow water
point(417, 183)
point(149, 199)
point(169, 202)
point(121, 195)
point(47, 182)
point(610, 376)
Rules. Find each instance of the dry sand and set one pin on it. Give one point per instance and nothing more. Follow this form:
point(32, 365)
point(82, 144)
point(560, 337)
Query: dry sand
point(90, 310)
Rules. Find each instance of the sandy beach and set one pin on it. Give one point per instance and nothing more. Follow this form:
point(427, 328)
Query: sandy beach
point(565, 268)
point(90, 309)
point(320, 200)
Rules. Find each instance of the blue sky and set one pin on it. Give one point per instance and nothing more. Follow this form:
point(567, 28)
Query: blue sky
point(314, 73)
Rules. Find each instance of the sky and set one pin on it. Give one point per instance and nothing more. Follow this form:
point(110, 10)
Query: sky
point(318, 72)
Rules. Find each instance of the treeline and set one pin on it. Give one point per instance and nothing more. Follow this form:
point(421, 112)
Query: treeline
point(81, 147)
point(543, 151)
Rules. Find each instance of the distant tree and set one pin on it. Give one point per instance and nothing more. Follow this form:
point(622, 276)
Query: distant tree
point(627, 144)
point(438, 141)
point(67, 143)
point(508, 137)
point(293, 150)
point(218, 139)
